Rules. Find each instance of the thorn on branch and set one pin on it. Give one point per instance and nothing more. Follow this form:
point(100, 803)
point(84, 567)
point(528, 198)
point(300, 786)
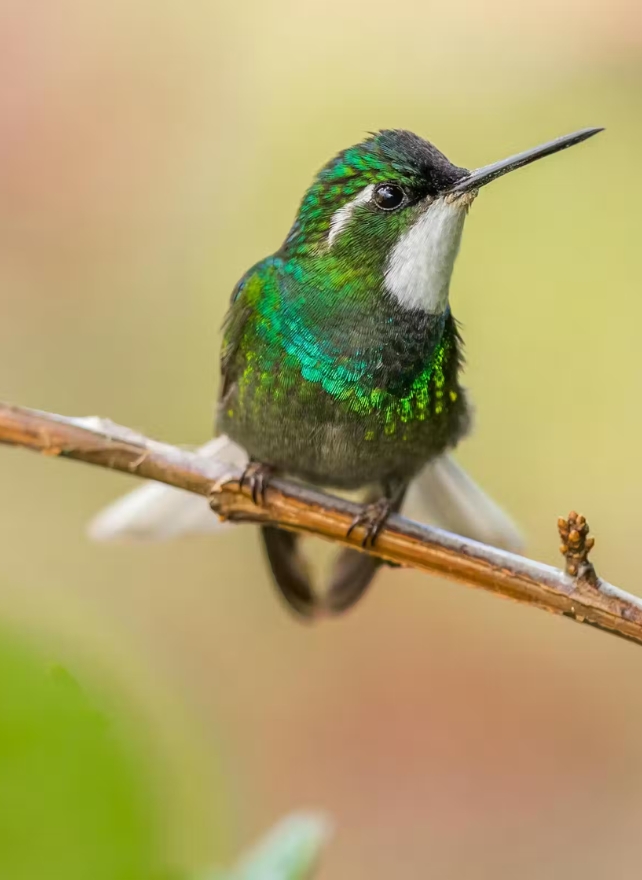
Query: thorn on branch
point(576, 546)
point(134, 465)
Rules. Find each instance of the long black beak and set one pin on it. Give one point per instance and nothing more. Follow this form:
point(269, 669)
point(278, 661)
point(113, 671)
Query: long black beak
point(484, 175)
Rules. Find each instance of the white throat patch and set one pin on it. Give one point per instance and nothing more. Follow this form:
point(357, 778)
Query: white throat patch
point(421, 263)
point(342, 216)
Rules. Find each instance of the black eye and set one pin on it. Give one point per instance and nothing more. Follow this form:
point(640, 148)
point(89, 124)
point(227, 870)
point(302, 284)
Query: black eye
point(389, 196)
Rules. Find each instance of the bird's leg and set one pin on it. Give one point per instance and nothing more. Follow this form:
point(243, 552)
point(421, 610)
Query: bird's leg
point(373, 517)
point(256, 476)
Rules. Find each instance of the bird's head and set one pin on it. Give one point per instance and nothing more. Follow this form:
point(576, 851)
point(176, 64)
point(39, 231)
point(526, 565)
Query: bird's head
point(393, 207)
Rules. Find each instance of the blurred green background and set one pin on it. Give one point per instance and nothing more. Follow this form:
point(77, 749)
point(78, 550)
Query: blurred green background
point(149, 153)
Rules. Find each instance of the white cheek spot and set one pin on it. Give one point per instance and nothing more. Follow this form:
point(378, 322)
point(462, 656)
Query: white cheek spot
point(342, 216)
point(422, 261)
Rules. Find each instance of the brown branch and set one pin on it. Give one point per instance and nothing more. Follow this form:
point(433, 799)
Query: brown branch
point(298, 508)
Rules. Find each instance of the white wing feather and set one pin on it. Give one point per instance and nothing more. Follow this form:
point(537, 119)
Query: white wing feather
point(445, 494)
point(156, 512)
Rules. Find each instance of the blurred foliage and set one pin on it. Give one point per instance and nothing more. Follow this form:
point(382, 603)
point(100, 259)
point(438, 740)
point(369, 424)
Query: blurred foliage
point(72, 802)
point(289, 852)
point(71, 799)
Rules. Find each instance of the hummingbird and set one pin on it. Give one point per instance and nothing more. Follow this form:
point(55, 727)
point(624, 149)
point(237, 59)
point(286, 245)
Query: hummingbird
point(341, 359)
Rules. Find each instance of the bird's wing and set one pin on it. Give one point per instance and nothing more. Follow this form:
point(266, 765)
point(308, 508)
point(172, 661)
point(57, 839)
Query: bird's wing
point(442, 493)
point(445, 494)
point(156, 512)
point(233, 327)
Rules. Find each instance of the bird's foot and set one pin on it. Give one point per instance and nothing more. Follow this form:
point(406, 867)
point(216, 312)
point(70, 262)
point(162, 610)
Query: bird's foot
point(372, 518)
point(256, 477)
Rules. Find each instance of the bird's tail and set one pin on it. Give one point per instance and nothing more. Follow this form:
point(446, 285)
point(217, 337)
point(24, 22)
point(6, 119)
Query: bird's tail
point(351, 575)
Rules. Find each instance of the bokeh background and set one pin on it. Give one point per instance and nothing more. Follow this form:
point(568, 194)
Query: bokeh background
point(149, 152)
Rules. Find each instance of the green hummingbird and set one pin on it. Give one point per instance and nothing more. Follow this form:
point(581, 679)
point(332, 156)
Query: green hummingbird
point(341, 359)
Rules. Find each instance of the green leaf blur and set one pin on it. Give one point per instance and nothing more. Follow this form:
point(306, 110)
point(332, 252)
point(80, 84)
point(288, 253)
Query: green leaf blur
point(290, 851)
point(71, 807)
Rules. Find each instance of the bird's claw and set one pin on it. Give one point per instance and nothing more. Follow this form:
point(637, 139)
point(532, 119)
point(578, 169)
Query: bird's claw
point(372, 518)
point(256, 477)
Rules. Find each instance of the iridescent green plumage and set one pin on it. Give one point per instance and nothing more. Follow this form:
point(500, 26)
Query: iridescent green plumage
point(326, 375)
point(346, 398)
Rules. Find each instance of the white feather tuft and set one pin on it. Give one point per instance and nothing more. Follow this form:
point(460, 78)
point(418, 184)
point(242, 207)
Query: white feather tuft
point(450, 497)
point(156, 512)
